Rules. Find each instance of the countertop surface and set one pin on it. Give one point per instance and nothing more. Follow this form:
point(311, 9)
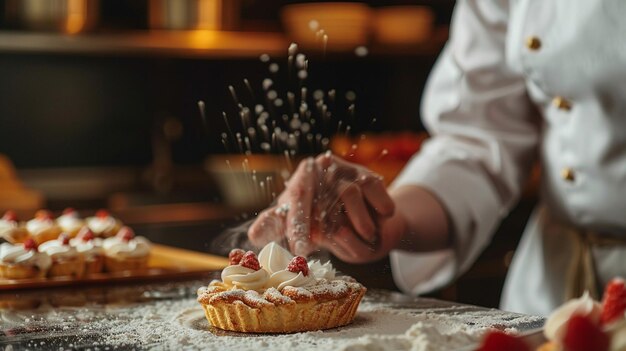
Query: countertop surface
point(166, 316)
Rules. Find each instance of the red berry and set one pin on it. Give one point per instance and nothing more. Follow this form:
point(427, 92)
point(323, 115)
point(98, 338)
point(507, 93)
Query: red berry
point(102, 213)
point(298, 264)
point(85, 234)
point(234, 256)
point(68, 210)
point(499, 341)
point(30, 244)
point(43, 215)
point(126, 233)
point(10, 216)
point(64, 239)
point(584, 335)
point(614, 301)
point(249, 260)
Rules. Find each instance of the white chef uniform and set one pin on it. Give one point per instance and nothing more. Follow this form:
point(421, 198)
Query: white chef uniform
point(518, 81)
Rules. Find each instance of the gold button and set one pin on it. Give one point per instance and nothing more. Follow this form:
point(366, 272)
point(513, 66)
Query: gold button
point(533, 43)
point(561, 103)
point(568, 174)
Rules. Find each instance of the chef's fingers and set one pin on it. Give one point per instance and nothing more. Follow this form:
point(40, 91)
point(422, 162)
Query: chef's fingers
point(356, 210)
point(269, 226)
point(376, 194)
point(299, 196)
point(348, 247)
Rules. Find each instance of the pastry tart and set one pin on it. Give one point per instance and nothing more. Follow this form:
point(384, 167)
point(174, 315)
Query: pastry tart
point(279, 293)
point(11, 230)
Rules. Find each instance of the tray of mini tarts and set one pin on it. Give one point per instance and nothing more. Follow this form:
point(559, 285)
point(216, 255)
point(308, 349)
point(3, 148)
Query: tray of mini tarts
point(165, 263)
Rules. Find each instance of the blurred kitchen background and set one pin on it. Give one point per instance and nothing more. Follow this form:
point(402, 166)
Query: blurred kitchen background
point(99, 109)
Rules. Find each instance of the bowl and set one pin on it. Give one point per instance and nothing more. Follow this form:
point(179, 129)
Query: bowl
point(346, 25)
point(403, 25)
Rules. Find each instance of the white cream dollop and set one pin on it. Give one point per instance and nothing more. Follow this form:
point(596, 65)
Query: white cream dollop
point(244, 277)
point(6, 226)
point(274, 258)
point(89, 248)
point(100, 225)
point(284, 278)
point(70, 222)
point(118, 247)
point(556, 324)
point(17, 254)
point(322, 271)
point(57, 250)
point(37, 225)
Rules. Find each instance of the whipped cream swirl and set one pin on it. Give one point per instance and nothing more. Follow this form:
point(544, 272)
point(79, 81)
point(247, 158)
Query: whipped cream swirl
point(556, 325)
point(89, 248)
point(101, 225)
point(244, 277)
point(70, 222)
point(118, 247)
point(7, 226)
point(322, 271)
point(274, 258)
point(17, 254)
point(57, 250)
point(36, 226)
point(284, 278)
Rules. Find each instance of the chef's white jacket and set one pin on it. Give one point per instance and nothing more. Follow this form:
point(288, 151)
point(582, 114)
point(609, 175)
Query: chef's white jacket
point(521, 81)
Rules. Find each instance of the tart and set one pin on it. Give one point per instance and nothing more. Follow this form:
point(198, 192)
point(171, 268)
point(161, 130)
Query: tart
point(125, 251)
point(11, 230)
point(23, 261)
point(278, 293)
point(70, 222)
point(103, 224)
point(91, 249)
point(43, 228)
point(66, 261)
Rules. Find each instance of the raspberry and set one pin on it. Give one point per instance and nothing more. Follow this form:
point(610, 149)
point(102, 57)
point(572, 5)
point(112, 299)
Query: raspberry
point(10, 216)
point(30, 244)
point(64, 239)
point(234, 256)
point(85, 234)
point(583, 335)
point(102, 214)
point(298, 264)
point(43, 215)
point(125, 233)
point(499, 341)
point(249, 260)
point(614, 301)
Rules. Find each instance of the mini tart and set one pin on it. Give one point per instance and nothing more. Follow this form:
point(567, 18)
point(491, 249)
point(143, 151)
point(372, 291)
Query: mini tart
point(103, 224)
point(66, 261)
point(70, 222)
point(18, 262)
point(91, 249)
point(43, 228)
point(13, 232)
point(323, 306)
point(125, 252)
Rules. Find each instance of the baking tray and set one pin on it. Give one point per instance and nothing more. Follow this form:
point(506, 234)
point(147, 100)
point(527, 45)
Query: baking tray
point(165, 263)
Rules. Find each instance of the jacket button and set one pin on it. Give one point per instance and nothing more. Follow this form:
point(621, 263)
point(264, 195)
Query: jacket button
point(562, 103)
point(568, 175)
point(533, 43)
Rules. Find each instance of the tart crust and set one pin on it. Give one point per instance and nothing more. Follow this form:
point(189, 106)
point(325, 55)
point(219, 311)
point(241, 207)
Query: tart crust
point(323, 306)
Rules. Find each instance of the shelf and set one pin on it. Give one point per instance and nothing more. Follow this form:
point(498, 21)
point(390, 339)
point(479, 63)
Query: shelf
point(184, 44)
point(201, 44)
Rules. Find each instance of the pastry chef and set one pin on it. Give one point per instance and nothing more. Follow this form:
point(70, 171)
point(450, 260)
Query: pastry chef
point(519, 82)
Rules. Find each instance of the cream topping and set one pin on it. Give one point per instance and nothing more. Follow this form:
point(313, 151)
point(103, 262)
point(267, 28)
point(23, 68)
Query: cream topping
point(274, 258)
point(135, 247)
point(17, 254)
point(70, 222)
point(7, 226)
point(284, 278)
point(37, 226)
point(322, 271)
point(57, 250)
point(244, 277)
point(88, 248)
point(617, 331)
point(556, 324)
point(100, 225)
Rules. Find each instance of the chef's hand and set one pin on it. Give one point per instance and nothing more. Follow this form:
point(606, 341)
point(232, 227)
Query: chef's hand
point(334, 204)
